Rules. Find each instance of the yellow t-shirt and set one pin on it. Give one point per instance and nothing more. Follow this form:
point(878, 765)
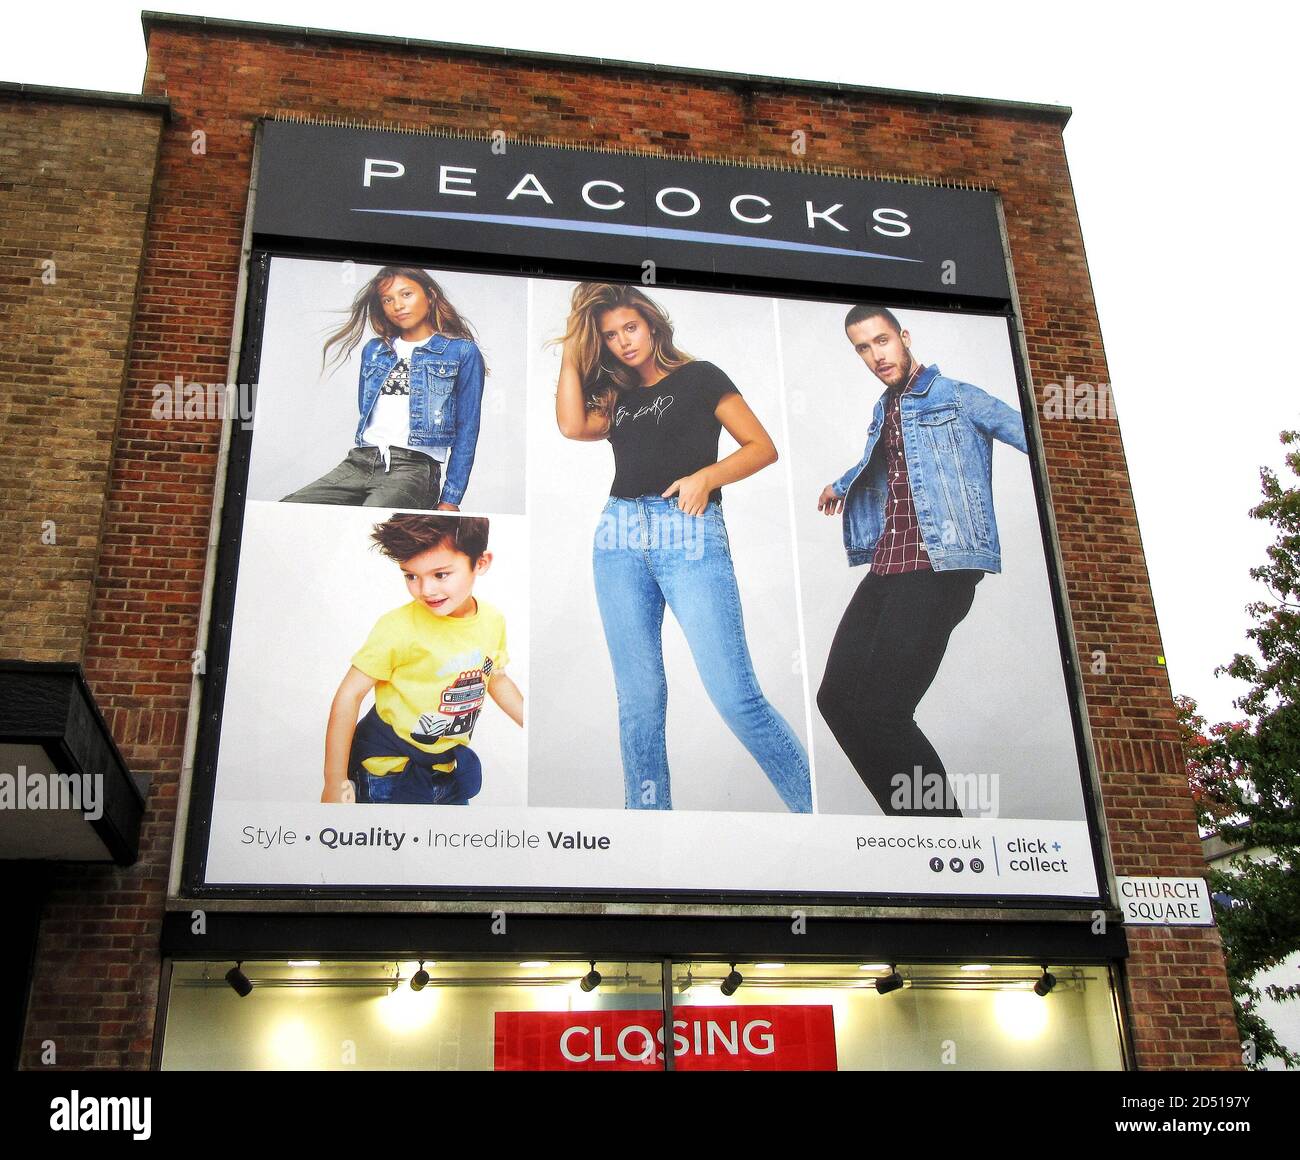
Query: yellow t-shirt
point(432, 671)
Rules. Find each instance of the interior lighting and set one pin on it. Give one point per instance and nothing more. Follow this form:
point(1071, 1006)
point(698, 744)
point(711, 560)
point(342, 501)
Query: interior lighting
point(239, 982)
point(890, 982)
point(1020, 1016)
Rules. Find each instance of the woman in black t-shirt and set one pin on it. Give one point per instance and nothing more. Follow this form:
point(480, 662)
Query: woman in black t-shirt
point(661, 540)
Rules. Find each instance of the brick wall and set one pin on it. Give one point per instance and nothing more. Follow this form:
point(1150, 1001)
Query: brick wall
point(70, 267)
point(75, 188)
point(145, 618)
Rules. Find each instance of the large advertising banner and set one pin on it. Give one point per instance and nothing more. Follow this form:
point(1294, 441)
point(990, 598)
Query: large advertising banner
point(673, 591)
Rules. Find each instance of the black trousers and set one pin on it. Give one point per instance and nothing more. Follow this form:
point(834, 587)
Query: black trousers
point(887, 650)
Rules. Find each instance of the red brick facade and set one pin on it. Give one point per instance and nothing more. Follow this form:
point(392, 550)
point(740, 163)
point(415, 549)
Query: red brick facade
point(96, 974)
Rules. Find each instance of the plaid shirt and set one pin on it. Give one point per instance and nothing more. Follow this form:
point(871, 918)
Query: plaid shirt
point(900, 548)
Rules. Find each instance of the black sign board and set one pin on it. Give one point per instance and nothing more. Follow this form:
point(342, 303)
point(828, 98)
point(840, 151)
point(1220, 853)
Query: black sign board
point(539, 202)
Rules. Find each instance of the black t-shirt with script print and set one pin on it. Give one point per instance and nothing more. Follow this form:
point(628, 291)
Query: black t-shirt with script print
point(667, 431)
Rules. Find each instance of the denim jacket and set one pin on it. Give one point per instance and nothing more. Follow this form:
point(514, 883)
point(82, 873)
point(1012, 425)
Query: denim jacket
point(446, 400)
point(948, 432)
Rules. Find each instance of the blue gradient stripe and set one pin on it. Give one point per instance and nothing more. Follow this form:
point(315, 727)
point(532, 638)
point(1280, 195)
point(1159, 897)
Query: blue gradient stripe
point(664, 233)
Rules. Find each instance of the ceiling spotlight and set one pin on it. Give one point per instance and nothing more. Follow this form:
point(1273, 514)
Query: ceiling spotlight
point(731, 984)
point(890, 982)
point(591, 980)
point(420, 979)
point(686, 984)
point(239, 981)
point(1044, 985)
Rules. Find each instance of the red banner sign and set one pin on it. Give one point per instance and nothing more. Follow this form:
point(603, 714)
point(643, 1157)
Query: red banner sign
point(734, 1038)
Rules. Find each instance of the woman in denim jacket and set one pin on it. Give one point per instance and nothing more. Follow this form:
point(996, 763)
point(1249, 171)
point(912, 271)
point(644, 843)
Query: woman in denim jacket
point(661, 540)
point(419, 398)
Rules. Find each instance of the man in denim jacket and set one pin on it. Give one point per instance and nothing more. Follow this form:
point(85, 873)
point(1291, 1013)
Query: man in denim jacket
point(918, 509)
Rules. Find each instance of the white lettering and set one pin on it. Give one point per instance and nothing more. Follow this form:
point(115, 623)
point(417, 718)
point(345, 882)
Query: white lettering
point(695, 202)
point(824, 215)
point(102, 1114)
point(766, 1043)
point(395, 169)
point(586, 195)
point(601, 1057)
point(446, 180)
point(735, 212)
point(529, 186)
point(717, 1035)
point(569, 1033)
point(895, 219)
point(646, 1053)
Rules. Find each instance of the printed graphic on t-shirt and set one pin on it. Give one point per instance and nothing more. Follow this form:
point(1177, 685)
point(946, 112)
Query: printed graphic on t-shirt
point(668, 431)
point(399, 379)
point(431, 672)
point(657, 409)
point(458, 707)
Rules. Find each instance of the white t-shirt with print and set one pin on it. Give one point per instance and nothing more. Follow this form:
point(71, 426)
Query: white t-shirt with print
point(390, 420)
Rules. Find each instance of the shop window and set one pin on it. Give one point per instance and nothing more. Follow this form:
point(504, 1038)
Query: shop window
point(536, 1015)
point(831, 1016)
point(469, 1016)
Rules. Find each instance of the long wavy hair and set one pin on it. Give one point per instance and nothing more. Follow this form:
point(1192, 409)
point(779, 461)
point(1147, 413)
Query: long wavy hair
point(601, 381)
point(367, 311)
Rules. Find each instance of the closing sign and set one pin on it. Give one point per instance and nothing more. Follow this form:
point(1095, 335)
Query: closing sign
point(740, 1038)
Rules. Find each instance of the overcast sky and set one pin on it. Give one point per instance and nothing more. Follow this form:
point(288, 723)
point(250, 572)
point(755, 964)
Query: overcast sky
point(1182, 150)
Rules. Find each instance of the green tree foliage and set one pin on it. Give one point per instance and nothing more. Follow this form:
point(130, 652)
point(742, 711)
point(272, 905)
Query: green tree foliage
point(1245, 775)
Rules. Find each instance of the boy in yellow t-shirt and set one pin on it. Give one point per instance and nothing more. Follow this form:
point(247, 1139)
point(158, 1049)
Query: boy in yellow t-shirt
point(430, 664)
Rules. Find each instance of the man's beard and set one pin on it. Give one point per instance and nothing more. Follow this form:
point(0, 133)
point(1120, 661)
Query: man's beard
point(905, 370)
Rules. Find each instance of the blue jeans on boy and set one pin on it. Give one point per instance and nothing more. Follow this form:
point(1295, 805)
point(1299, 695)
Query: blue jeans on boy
point(648, 554)
point(417, 784)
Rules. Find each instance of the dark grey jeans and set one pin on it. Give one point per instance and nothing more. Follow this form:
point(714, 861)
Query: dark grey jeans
point(413, 480)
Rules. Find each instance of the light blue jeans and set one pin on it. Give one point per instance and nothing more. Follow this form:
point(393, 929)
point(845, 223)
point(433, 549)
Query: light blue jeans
point(646, 554)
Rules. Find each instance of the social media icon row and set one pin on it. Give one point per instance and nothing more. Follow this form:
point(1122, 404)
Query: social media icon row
point(956, 865)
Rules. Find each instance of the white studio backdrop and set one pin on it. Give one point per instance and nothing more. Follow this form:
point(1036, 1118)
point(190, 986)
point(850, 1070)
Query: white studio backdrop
point(306, 418)
point(568, 483)
point(310, 590)
point(999, 704)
